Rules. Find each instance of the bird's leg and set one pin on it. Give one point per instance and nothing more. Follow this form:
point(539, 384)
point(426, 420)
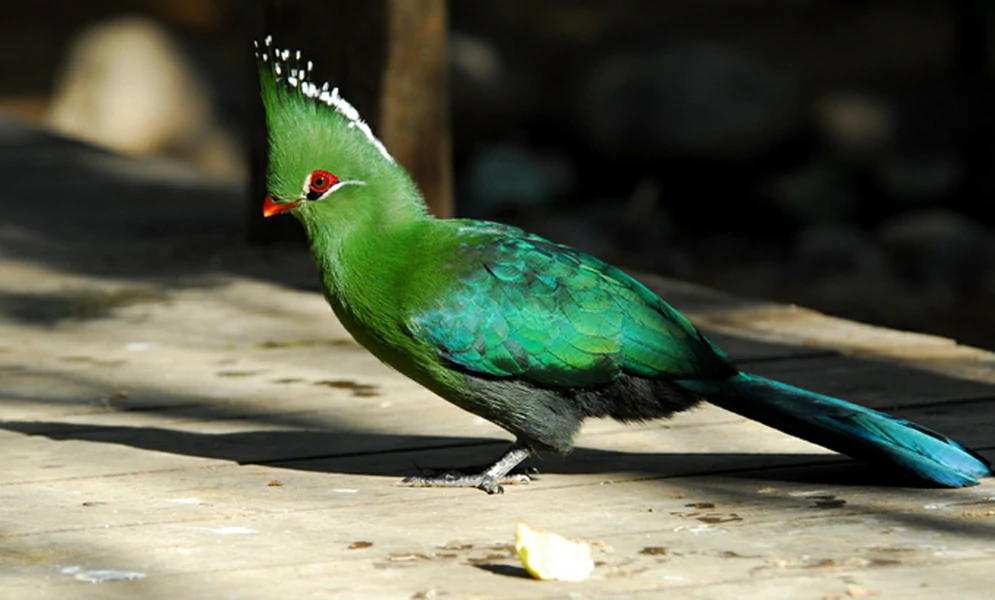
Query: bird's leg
point(489, 480)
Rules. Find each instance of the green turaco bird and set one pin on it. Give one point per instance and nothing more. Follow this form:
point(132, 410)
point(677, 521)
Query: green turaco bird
point(529, 334)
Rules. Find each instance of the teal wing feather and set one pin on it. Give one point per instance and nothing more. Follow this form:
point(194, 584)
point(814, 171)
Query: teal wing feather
point(517, 305)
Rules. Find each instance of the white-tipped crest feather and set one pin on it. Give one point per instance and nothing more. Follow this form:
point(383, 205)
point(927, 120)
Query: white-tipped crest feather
point(298, 78)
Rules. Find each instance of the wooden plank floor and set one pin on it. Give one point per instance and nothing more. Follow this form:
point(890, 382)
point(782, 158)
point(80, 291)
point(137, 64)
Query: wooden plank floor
point(182, 417)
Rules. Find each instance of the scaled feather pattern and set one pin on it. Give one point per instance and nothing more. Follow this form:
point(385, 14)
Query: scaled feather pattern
point(532, 335)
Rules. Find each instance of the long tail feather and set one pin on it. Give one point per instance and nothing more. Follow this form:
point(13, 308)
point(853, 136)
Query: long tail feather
point(847, 428)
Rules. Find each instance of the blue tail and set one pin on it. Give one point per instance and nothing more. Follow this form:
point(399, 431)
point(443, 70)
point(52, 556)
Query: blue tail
point(847, 428)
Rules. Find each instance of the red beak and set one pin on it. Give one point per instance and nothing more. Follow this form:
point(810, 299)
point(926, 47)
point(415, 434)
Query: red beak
point(271, 208)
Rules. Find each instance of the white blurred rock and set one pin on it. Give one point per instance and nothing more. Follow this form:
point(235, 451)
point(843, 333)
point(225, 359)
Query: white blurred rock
point(127, 84)
point(855, 123)
point(490, 91)
point(474, 57)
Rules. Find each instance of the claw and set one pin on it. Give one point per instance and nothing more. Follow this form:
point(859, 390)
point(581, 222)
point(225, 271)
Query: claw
point(490, 486)
point(490, 480)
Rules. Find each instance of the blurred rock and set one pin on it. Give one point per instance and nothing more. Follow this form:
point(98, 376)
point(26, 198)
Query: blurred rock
point(818, 193)
point(475, 59)
point(920, 178)
point(943, 131)
point(827, 250)
point(760, 279)
point(855, 123)
point(127, 84)
point(938, 247)
point(882, 298)
point(489, 93)
point(508, 177)
point(700, 99)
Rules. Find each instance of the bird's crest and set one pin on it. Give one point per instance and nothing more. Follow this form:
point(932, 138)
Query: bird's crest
point(285, 75)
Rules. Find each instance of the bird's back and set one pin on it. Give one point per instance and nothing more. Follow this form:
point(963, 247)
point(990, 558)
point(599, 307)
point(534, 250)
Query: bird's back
point(494, 300)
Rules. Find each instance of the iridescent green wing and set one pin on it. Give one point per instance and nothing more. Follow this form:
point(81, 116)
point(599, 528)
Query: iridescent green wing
point(517, 305)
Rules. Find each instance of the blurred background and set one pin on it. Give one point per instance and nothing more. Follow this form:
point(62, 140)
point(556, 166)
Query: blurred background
point(837, 154)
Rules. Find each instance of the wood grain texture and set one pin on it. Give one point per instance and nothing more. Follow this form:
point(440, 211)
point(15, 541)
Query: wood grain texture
point(187, 409)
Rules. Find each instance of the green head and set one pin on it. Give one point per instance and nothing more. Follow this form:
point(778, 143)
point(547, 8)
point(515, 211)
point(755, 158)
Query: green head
point(324, 161)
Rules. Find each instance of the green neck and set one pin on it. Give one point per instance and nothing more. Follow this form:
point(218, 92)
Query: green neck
point(360, 238)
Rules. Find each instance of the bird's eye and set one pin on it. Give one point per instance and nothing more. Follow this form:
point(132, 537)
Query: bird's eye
point(319, 183)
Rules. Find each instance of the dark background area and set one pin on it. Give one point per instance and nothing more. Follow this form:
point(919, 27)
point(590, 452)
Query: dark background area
point(830, 153)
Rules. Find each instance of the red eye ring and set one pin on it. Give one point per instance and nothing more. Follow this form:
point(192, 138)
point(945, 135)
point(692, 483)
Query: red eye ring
point(321, 182)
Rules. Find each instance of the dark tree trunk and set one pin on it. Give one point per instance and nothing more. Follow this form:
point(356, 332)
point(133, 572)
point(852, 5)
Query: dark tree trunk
point(414, 109)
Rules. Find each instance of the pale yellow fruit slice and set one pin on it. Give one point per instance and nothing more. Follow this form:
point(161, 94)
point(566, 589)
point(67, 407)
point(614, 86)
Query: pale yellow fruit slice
point(550, 556)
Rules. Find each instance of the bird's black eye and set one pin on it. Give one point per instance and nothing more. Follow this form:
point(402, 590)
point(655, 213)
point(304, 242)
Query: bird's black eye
point(319, 183)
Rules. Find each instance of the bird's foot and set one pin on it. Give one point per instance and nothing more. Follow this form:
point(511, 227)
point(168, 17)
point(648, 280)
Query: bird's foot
point(481, 481)
point(489, 480)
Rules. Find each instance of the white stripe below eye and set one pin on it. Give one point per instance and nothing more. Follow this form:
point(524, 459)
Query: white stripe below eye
point(306, 188)
point(341, 184)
